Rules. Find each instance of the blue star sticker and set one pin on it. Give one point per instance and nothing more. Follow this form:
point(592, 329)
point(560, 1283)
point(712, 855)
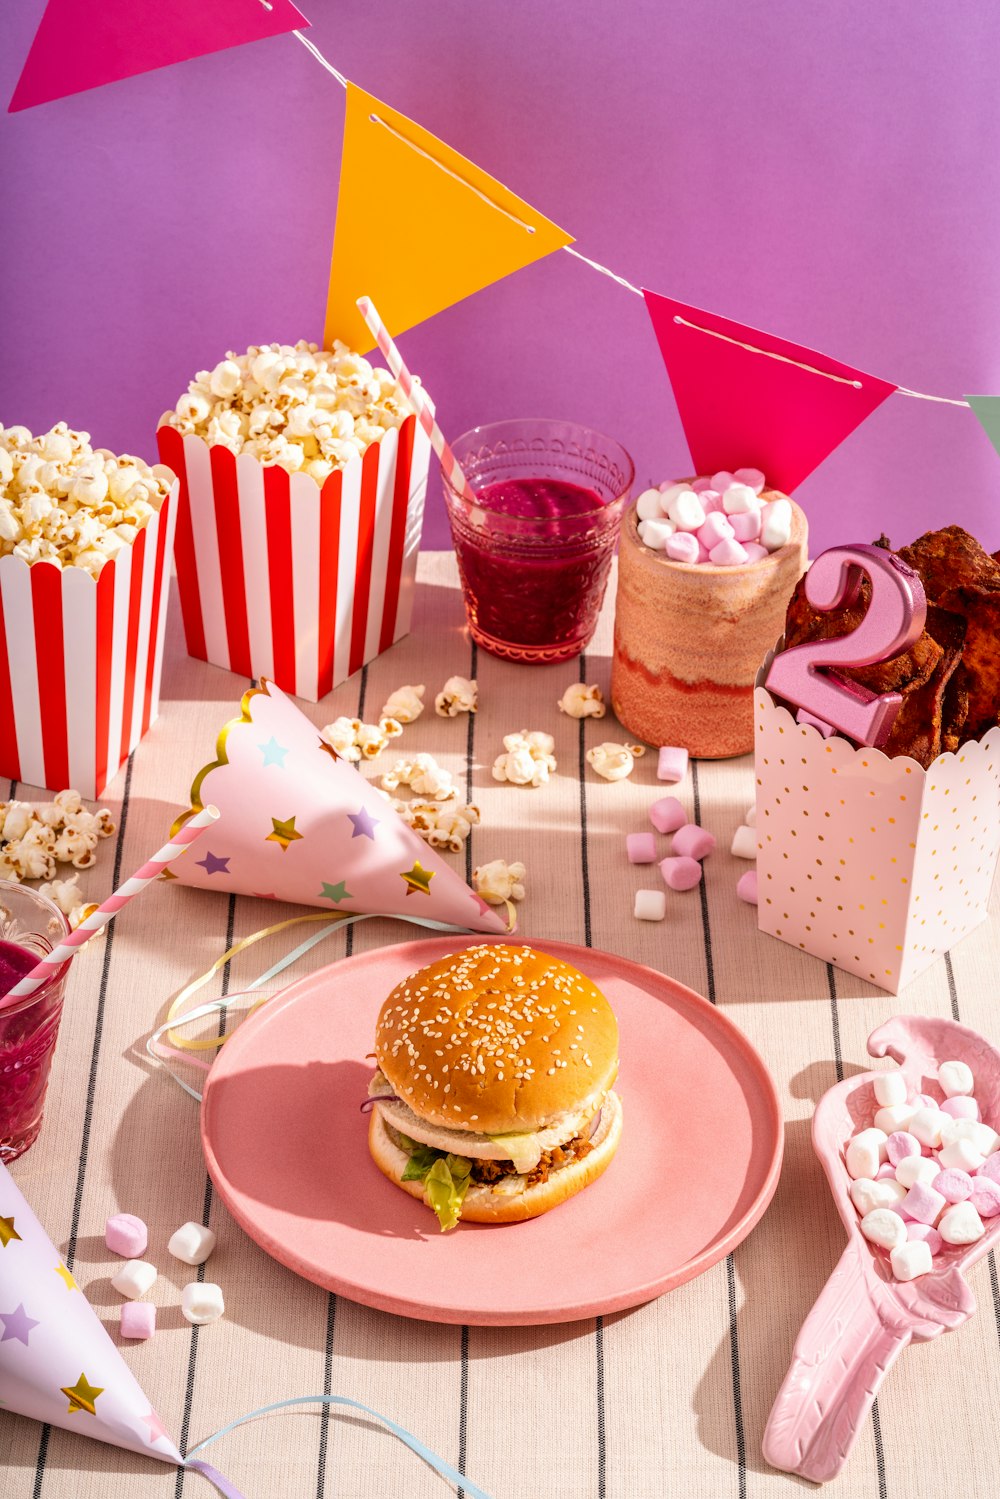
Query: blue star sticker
point(273, 752)
point(17, 1324)
point(213, 864)
point(364, 824)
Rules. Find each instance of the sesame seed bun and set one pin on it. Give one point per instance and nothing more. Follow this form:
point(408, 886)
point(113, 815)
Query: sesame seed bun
point(497, 1039)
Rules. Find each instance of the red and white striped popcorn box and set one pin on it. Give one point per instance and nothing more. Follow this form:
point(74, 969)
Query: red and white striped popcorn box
point(283, 579)
point(80, 660)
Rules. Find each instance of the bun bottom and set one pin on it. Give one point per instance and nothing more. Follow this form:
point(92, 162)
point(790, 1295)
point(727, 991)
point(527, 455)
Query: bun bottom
point(488, 1205)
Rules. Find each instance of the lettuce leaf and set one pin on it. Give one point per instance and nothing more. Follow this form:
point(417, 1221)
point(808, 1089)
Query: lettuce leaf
point(445, 1179)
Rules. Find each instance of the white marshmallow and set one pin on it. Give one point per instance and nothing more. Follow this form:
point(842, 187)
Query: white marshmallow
point(960, 1155)
point(911, 1259)
point(776, 524)
point(656, 533)
point(894, 1117)
point(685, 510)
point(961, 1224)
point(649, 505)
point(868, 1195)
point(985, 1139)
point(650, 905)
point(890, 1088)
point(745, 843)
point(202, 1302)
point(916, 1168)
point(192, 1243)
point(751, 816)
point(927, 1125)
point(956, 1079)
point(865, 1153)
point(134, 1279)
point(669, 492)
point(738, 499)
point(884, 1227)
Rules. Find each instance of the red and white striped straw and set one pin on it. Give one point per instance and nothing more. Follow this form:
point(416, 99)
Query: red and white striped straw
point(144, 876)
point(414, 394)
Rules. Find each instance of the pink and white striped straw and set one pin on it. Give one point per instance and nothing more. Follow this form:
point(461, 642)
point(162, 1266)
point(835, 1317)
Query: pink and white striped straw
point(414, 394)
point(144, 876)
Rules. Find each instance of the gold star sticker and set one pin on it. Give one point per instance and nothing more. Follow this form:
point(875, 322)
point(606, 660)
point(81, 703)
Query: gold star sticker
point(284, 832)
point(328, 749)
point(167, 874)
point(417, 878)
point(7, 1232)
point(82, 1395)
point(67, 1276)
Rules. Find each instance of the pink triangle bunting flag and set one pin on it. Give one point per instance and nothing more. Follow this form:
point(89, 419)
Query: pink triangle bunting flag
point(750, 400)
point(79, 45)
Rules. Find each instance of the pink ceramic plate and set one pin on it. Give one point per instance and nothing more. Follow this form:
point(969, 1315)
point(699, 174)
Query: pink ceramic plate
point(287, 1149)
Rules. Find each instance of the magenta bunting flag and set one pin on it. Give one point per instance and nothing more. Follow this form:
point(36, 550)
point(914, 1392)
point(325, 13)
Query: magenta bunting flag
point(757, 407)
point(80, 45)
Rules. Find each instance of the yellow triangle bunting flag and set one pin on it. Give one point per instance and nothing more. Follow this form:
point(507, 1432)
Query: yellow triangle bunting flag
point(419, 226)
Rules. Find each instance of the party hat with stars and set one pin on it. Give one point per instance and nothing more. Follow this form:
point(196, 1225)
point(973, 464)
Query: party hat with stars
point(57, 1363)
point(297, 822)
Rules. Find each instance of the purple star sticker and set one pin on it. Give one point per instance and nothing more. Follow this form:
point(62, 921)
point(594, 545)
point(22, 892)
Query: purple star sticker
point(364, 824)
point(17, 1324)
point(213, 864)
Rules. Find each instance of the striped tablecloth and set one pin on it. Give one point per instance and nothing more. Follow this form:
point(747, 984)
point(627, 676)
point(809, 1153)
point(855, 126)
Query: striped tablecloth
point(669, 1399)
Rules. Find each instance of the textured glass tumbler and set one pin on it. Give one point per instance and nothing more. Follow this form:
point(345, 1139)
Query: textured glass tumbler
point(30, 927)
point(534, 582)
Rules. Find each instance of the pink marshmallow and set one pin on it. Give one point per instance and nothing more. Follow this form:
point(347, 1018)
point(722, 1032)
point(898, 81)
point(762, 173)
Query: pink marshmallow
point(711, 501)
point(728, 553)
point(746, 525)
point(698, 485)
point(722, 480)
point(680, 874)
point(900, 1144)
point(755, 551)
point(127, 1235)
point(667, 815)
point(641, 848)
point(716, 528)
point(961, 1108)
point(671, 763)
point(682, 547)
point(138, 1319)
point(954, 1185)
point(751, 476)
point(693, 842)
point(746, 887)
point(703, 553)
point(886, 1172)
point(925, 1101)
point(990, 1168)
point(985, 1196)
point(923, 1203)
point(930, 1236)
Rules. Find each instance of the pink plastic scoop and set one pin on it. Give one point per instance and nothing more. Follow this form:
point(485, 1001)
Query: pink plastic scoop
point(863, 1318)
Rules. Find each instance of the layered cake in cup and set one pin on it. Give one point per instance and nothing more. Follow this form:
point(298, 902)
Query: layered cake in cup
point(690, 635)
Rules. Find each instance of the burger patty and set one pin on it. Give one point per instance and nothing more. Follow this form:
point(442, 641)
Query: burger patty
point(488, 1173)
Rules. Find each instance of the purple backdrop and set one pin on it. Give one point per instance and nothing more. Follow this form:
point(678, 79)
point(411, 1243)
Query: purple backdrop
point(830, 174)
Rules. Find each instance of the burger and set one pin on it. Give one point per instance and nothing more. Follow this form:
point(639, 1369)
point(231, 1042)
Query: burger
point(492, 1100)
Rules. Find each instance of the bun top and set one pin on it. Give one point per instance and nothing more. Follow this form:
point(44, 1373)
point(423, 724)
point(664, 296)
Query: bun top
point(498, 1038)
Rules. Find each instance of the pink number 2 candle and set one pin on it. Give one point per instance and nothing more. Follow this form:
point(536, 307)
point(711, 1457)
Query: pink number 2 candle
point(806, 675)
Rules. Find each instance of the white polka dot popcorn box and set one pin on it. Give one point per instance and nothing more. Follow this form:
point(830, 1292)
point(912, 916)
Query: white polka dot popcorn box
point(303, 475)
point(873, 864)
point(915, 1226)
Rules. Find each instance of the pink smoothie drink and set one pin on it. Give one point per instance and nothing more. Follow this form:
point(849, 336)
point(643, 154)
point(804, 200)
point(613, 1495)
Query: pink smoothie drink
point(28, 1031)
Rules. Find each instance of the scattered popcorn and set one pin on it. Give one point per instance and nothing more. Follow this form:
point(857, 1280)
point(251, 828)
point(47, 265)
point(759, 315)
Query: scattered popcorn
point(67, 895)
point(64, 502)
point(297, 406)
point(405, 705)
point(614, 761)
point(34, 840)
point(458, 695)
point(445, 824)
point(528, 759)
point(354, 740)
point(498, 881)
point(424, 776)
point(581, 701)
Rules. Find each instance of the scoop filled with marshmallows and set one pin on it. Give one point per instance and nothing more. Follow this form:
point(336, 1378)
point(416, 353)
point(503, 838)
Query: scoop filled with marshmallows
point(725, 519)
point(924, 1175)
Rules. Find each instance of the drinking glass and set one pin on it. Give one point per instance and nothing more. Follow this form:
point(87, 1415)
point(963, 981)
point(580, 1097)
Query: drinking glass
point(30, 927)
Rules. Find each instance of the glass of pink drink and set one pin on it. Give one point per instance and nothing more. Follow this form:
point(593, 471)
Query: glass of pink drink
point(30, 927)
point(535, 549)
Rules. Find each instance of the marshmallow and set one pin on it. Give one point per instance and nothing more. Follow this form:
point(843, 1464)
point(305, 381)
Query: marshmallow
point(656, 533)
point(739, 499)
point(899, 1145)
point(895, 1117)
point(960, 1107)
point(985, 1139)
point(667, 815)
point(926, 1125)
point(134, 1279)
point(192, 1243)
point(910, 1259)
point(711, 501)
point(671, 763)
point(956, 1079)
point(721, 481)
point(685, 510)
point(745, 525)
point(884, 1227)
point(650, 905)
point(746, 887)
point(960, 1155)
point(917, 1168)
point(954, 1185)
point(867, 1195)
point(750, 816)
point(698, 485)
point(126, 1235)
point(201, 1302)
point(961, 1224)
point(670, 492)
point(138, 1319)
point(744, 845)
point(754, 551)
point(751, 477)
point(923, 1204)
point(641, 848)
point(715, 529)
point(693, 842)
point(865, 1153)
point(728, 553)
point(991, 1167)
point(682, 547)
point(886, 1172)
point(776, 524)
point(924, 1234)
point(890, 1088)
point(985, 1196)
point(680, 874)
point(649, 505)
